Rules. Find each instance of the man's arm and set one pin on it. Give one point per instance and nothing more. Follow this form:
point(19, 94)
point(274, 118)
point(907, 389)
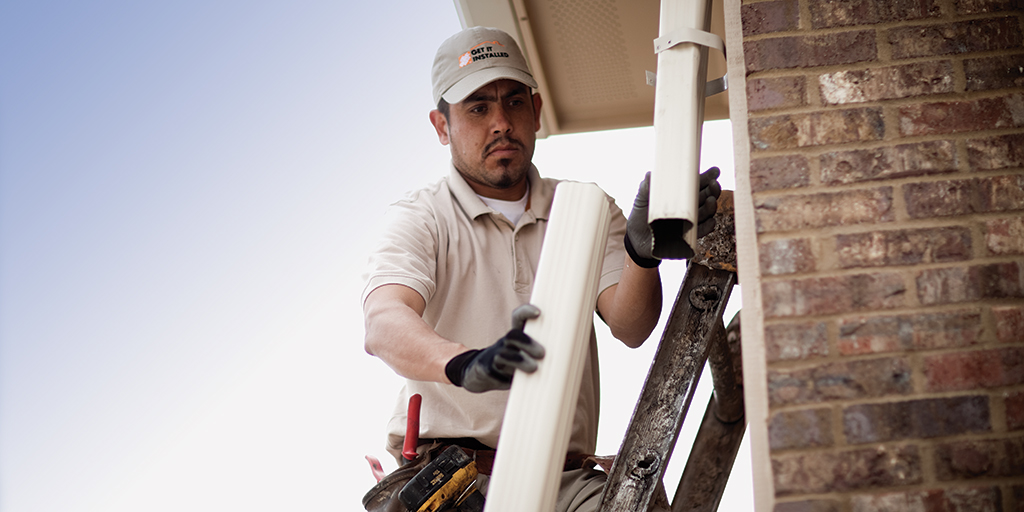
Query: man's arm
point(397, 334)
point(631, 307)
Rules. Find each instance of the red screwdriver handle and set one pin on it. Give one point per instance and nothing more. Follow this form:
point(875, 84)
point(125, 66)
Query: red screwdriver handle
point(412, 428)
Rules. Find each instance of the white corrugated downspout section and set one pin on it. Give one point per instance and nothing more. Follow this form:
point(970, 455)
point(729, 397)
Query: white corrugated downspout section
point(678, 118)
point(542, 405)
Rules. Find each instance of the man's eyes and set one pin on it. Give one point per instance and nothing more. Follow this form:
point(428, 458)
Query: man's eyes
point(481, 108)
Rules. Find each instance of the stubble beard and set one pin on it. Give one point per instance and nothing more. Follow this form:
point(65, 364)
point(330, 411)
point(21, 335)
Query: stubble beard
point(509, 176)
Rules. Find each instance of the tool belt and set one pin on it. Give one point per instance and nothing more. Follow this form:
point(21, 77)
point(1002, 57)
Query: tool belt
point(383, 497)
point(484, 455)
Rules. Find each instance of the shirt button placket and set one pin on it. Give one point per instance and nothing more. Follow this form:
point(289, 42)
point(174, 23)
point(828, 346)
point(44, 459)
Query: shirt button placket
point(519, 265)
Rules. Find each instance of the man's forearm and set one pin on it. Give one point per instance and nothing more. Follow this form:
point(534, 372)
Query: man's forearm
point(632, 307)
point(397, 334)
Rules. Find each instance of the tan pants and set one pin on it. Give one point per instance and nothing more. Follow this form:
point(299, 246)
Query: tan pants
point(580, 490)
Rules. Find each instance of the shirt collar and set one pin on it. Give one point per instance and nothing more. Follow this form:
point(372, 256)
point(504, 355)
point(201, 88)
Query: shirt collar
point(540, 195)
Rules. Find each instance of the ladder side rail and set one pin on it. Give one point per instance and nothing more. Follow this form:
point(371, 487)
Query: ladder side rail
point(718, 440)
point(666, 396)
point(726, 373)
point(707, 469)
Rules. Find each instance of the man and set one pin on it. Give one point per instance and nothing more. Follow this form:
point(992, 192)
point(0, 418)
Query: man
point(459, 257)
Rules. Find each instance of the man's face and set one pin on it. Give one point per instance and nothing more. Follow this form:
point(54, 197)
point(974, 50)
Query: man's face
point(492, 135)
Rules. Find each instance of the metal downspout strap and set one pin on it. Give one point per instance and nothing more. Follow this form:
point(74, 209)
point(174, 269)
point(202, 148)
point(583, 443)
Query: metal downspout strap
point(688, 35)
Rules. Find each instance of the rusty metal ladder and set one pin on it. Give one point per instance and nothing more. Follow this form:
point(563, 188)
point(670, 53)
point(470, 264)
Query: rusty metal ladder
point(693, 335)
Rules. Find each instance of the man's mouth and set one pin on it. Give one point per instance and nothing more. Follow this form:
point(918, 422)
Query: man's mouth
point(502, 148)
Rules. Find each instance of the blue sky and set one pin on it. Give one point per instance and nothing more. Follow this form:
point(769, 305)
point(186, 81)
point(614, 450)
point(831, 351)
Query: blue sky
point(187, 194)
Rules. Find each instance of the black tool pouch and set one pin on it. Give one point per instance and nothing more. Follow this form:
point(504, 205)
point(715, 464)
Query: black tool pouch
point(383, 497)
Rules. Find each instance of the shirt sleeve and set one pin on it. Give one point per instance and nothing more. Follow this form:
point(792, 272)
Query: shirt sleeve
point(615, 252)
point(407, 251)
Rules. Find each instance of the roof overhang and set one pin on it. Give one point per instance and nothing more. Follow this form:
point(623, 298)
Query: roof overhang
point(590, 58)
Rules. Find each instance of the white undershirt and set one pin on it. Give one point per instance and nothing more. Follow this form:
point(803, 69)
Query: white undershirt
point(512, 210)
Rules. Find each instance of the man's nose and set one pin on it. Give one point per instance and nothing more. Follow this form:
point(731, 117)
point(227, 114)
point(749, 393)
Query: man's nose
point(501, 122)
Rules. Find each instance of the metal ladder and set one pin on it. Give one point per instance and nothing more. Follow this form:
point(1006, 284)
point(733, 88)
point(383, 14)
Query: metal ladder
point(693, 335)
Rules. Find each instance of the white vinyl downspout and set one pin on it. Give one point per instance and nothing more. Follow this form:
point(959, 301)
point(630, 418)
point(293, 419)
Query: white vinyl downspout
point(542, 405)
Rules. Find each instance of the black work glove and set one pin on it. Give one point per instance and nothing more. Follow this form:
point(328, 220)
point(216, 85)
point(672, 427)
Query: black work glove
point(639, 236)
point(492, 368)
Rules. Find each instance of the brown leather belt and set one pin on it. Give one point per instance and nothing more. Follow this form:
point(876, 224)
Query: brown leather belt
point(484, 455)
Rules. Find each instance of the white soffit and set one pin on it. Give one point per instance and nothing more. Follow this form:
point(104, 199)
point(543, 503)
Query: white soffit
point(590, 57)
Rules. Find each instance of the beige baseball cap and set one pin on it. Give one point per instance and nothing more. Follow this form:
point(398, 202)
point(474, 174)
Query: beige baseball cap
point(474, 58)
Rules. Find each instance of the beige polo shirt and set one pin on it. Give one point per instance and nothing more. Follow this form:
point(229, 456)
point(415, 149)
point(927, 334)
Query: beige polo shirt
point(473, 267)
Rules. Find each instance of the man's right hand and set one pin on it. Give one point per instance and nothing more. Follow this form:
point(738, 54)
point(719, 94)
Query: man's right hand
point(493, 367)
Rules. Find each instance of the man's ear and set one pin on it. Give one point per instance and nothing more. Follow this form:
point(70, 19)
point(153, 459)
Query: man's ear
point(536, 111)
point(440, 123)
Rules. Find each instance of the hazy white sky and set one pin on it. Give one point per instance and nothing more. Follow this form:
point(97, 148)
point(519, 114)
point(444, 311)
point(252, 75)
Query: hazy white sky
point(187, 194)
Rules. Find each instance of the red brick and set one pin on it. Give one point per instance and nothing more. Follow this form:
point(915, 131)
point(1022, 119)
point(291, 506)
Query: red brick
point(978, 369)
point(916, 419)
point(1005, 236)
point(782, 92)
point(1009, 323)
point(824, 472)
point(800, 429)
point(816, 129)
point(1015, 410)
point(910, 332)
point(863, 12)
point(980, 499)
point(945, 330)
point(903, 10)
point(903, 247)
point(956, 38)
point(966, 284)
point(998, 280)
point(1003, 193)
point(918, 159)
point(961, 116)
point(808, 506)
point(787, 256)
point(982, 458)
point(888, 83)
point(795, 341)
point(963, 197)
point(778, 172)
point(810, 51)
point(843, 14)
point(845, 208)
point(964, 499)
point(873, 378)
point(943, 198)
point(832, 295)
point(1000, 72)
point(946, 286)
point(986, 6)
point(1000, 152)
point(844, 126)
point(768, 17)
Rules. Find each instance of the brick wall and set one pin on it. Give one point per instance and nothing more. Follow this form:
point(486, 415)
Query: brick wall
point(887, 175)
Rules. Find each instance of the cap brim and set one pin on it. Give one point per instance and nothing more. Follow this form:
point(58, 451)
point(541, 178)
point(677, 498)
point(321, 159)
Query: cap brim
point(463, 88)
